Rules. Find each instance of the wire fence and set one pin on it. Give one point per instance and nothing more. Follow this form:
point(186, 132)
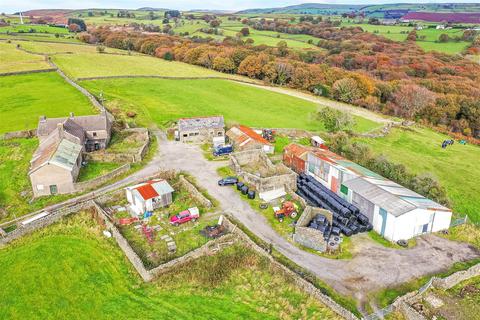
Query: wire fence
point(459, 221)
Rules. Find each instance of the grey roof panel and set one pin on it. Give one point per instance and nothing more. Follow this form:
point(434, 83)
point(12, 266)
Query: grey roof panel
point(186, 124)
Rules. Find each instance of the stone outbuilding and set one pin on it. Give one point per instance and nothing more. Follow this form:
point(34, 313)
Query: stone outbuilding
point(244, 138)
point(309, 237)
point(200, 129)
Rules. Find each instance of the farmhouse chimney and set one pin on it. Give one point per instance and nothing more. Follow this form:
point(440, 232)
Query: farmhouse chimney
point(60, 130)
point(72, 115)
point(43, 119)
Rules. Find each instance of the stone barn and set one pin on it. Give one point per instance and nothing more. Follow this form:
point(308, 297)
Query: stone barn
point(201, 129)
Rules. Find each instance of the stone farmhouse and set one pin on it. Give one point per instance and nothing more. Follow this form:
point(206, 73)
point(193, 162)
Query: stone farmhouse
point(56, 163)
point(201, 129)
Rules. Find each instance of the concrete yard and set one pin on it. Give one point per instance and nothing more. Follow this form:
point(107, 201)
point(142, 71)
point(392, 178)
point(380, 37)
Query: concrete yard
point(373, 266)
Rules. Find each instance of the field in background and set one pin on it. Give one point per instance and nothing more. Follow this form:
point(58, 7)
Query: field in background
point(80, 65)
point(70, 270)
point(26, 97)
point(456, 167)
point(14, 60)
point(162, 101)
point(55, 48)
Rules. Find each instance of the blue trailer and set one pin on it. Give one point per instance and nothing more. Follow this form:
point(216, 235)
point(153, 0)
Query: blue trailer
point(222, 150)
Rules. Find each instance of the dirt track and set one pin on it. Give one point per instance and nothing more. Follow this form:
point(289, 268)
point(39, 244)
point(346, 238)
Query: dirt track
point(373, 267)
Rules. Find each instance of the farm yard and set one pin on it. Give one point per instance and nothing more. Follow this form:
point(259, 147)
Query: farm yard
point(26, 97)
point(94, 280)
point(92, 277)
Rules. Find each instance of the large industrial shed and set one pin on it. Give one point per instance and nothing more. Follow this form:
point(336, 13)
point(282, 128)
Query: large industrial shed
point(395, 212)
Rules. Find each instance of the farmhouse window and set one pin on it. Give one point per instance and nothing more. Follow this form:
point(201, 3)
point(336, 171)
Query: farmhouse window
point(94, 134)
point(344, 189)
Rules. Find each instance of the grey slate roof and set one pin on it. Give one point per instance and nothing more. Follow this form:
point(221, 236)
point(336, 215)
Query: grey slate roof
point(391, 196)
point(74, 129)
point(87, 123)
point(187, 124)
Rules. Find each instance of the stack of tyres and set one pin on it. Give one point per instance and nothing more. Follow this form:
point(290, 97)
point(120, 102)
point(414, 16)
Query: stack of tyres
point(321, 224)
point(347, 218)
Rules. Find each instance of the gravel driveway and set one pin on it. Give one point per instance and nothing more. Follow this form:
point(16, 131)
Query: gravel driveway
point(373, 267)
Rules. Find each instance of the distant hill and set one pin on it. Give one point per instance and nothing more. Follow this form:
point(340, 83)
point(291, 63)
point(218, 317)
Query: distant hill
point(380, 10)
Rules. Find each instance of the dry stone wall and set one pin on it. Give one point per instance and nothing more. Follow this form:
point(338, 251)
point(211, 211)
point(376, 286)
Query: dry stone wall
point(19, 134)
point(456, 278)
point(93, 183)
point(194, 192)
point(284, 178)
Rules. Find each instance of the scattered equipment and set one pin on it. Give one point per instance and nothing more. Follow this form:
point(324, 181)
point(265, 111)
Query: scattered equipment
point(346, 217)
point(269, 135)
point(127, 221)
point(288, 210)
point(148, 232)
point(213, 232)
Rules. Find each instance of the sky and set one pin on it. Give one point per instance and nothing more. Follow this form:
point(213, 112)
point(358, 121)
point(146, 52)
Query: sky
point(10, 6)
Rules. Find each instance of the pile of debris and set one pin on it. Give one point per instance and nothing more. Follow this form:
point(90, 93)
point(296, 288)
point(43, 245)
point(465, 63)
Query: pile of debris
point(347, 218)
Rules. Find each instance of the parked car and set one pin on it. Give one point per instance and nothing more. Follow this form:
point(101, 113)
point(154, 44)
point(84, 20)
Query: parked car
point(191, 214)
point(222, 150)
point(229, 181)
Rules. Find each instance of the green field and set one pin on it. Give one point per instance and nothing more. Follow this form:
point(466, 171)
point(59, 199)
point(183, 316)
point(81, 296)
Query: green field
point(396, 33)
point(53, 48)
point(33, 28)
point(455, 167)
point(80, 66)
point(14, 60)
point(96, 169)
point(161, 101)
point(41, 37)
point(26, 97)
point(71, 271)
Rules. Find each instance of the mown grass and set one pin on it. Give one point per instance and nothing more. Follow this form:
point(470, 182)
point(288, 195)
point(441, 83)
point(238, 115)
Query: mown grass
point(161, 101)
point(455, 167)
point(388, 244)
point(14, 60)
point(26, 97)
point(80, 66)
point(70, 271)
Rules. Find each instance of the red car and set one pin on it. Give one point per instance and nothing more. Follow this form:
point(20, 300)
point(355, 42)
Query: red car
point(185, 216)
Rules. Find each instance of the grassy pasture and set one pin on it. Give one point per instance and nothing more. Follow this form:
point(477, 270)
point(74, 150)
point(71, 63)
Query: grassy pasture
point(26, 97)
point(70, 271)
point(396, 33)
point(53, 48)
point(40, 37)
point(159, 101)
point(14, 60)
point(33, 28)
point(455, 167)
point(80, 65)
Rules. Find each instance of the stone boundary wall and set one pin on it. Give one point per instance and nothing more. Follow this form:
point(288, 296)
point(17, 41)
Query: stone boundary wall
point(309, 237)
point(52, 217)
point(124, 245)
point(262, 184)
point(16, 73)
point(19, 134)
point(299, 281)
point(194, 192)
point(95, 182)
point(454, 279)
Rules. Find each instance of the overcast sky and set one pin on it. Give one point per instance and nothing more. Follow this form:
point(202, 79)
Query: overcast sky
point(11, 6)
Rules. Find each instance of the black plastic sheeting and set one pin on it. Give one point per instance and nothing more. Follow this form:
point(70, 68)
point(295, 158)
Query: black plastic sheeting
point(347, 218)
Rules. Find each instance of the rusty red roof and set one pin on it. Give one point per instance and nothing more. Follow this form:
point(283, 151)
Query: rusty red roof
point(147, 191)
point(252, 134)
point(297, 150)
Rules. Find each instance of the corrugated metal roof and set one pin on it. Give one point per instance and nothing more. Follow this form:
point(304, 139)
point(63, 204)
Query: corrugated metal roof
point(382, 198)
point(152, 188)
point(200, 122)
point(242, 134)
point(391, 196)
point(297, 150)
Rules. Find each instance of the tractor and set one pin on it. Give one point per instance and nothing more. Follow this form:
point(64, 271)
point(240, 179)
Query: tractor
point(288, 210)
